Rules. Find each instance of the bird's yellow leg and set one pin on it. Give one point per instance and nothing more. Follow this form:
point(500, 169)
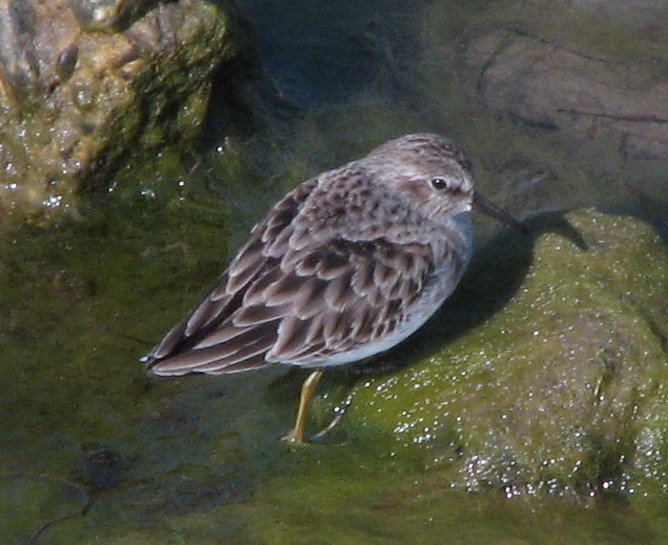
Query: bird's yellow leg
point(296, 435)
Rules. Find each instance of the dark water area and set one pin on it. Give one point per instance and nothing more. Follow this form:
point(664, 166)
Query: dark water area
point(356, 75)
point(92, 450)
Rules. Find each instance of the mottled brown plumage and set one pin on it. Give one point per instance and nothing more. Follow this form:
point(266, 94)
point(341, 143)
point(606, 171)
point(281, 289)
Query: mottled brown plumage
point(342, 268)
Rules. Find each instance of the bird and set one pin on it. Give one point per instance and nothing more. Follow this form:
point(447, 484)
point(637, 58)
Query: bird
point(340, 270)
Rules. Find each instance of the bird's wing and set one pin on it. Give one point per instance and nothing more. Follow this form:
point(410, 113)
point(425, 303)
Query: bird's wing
point(225, 297)
point(297, 293)
point(325, 301)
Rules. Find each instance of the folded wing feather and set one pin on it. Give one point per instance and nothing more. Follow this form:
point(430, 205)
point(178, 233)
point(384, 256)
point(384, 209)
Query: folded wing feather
point(325, 297)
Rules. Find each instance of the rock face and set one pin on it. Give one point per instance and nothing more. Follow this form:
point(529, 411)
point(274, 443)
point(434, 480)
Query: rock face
point(550, 86)
point(87, 86)
point(562, 103)
point(562, 388)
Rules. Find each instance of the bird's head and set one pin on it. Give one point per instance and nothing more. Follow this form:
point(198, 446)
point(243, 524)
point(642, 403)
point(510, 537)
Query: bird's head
point(434, 175)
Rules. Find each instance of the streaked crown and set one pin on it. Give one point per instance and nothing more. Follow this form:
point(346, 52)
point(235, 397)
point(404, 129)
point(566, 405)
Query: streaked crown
point(429, 170)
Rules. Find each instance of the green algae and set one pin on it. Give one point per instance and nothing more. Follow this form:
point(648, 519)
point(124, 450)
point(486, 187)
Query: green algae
point(94, 451)
point(563, 390)
point(82, 422)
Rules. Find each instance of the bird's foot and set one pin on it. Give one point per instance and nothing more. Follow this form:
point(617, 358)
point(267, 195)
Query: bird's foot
point(294, 437)
point(329, 427)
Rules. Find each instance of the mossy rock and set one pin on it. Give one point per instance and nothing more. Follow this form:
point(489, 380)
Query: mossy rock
point(106, 101)
point(562, 385)
point(97, 452)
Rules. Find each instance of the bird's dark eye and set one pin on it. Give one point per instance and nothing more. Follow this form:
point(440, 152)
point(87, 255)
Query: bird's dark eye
point(440, 183)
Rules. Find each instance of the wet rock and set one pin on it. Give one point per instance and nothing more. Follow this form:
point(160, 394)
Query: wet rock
point(562, 387)
point(109, 14)
point(89, 86)
point(584, 97)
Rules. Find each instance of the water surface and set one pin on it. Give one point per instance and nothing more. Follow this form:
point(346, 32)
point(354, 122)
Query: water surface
point(94, 451)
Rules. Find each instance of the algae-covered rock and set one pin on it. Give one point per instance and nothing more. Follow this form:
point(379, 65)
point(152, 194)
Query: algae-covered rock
point(87, 87)
point(563, 388)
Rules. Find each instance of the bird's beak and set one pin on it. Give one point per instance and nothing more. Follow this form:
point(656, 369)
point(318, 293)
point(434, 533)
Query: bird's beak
point(481, 204)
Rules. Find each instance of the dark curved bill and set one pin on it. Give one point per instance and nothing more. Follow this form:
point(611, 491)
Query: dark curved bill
point(481, 204)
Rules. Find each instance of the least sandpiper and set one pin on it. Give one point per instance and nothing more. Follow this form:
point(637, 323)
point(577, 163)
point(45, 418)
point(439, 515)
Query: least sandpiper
point(341, 269)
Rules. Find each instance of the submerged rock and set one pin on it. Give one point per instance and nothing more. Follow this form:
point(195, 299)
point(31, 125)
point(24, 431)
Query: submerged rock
point(87, 87)
point(561, 388)
point(552, 94)
point(547, 85)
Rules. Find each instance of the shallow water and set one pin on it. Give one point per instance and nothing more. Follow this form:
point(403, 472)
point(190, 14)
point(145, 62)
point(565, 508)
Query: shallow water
point(94, 451)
